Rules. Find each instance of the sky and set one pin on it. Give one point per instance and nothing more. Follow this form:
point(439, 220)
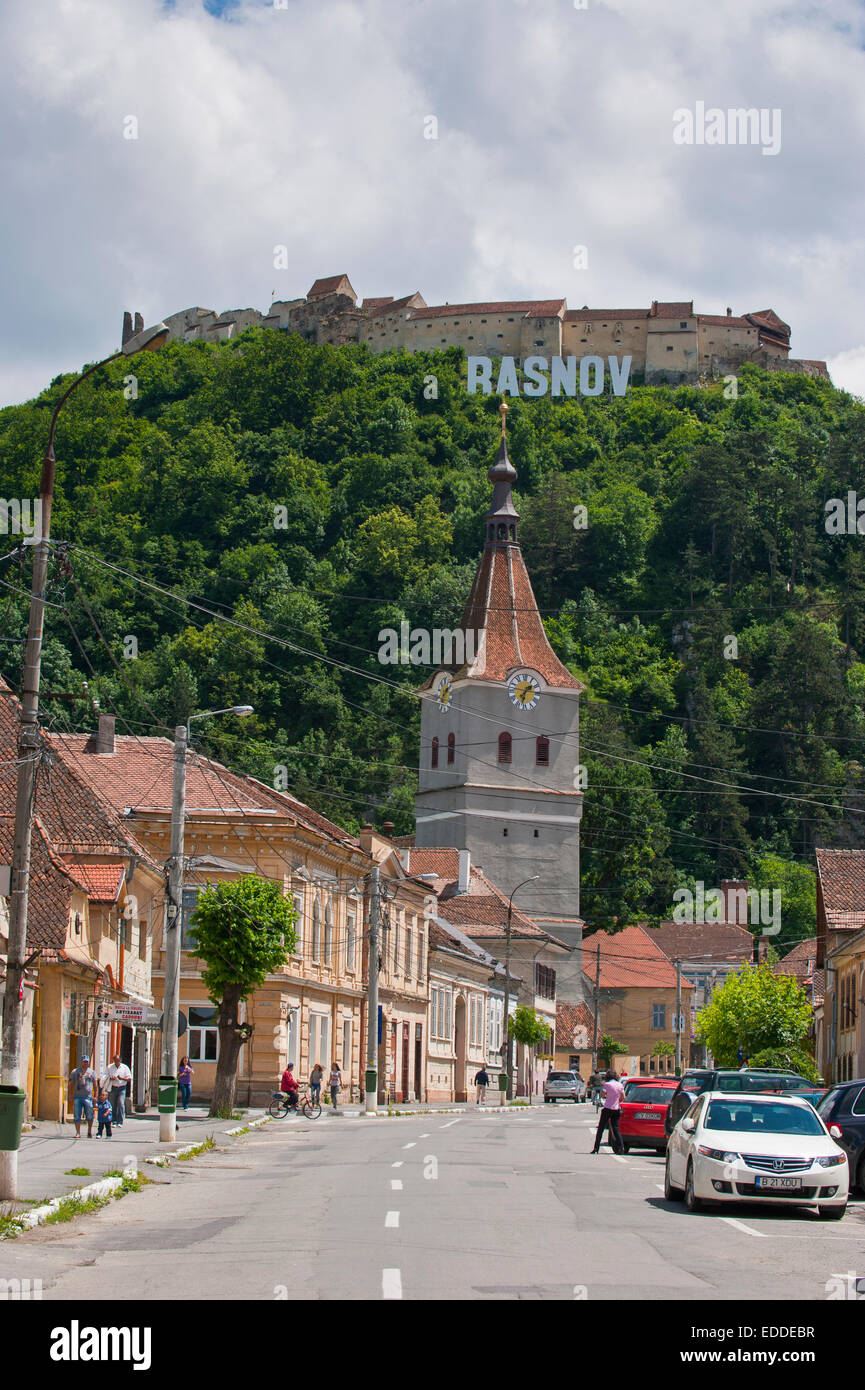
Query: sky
point(156, 154)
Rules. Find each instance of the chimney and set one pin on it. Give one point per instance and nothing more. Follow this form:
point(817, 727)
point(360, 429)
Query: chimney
point(366, 837)
point(735, 894)
point(127, 326)
point(464, 871)
point(105, 734)
point(139, 324)
point(729, 313)
point(387, 828)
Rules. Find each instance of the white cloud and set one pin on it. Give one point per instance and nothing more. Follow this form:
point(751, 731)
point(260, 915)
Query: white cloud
point(847, 370)
point(304, 127)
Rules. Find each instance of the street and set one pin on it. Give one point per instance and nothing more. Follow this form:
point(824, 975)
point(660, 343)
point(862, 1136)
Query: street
point(434, 1206)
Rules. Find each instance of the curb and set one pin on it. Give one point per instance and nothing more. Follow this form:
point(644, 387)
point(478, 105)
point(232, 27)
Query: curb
point(105, 1187)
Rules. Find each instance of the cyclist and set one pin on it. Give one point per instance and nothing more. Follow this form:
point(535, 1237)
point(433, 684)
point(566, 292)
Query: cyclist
point(288, 1084)
point(596, 1082)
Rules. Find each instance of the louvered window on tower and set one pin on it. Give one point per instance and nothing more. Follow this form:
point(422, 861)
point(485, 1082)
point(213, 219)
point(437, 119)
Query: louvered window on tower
point(504, 748)
point(452, 747)
point(434, 761)
point(542, 752)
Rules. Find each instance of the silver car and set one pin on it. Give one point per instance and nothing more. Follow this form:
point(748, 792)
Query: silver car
point(564, 1085)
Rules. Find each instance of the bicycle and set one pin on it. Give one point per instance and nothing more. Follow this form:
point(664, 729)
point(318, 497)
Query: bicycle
point(280, 1104)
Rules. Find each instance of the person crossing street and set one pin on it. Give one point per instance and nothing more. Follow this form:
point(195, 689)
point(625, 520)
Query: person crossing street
point(611, 1113)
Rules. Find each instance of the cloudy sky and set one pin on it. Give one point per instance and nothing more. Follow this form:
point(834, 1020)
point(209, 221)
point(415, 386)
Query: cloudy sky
point(303, 123)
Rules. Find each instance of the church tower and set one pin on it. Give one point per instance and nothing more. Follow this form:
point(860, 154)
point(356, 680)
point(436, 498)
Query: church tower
point(500, 735)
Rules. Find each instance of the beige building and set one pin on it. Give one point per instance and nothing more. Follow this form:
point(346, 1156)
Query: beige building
point(840, 953)
point(667, 341)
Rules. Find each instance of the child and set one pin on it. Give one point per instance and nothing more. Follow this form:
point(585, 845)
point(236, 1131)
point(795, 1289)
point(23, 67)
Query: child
point(103, 1114)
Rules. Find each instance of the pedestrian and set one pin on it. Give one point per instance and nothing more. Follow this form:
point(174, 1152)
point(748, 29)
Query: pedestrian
point(481, 1082)
point(611, 1113)
point(82, 1082)
point(184, 1081)
point(103, 1114)
point(117, 1077)
point(334, 1083)
point(315, 1079)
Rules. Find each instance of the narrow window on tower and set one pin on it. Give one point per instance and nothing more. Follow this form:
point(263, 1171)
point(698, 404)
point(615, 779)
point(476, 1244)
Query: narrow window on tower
point(435, 753)
point(452, 747)
point(504, 748)
point(542, 752)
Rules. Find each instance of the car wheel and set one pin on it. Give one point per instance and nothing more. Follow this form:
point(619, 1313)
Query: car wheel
point(831, 1213)
point(546, 1100)
point(692, 1201)
point(860, 1175)
point(671, 1193)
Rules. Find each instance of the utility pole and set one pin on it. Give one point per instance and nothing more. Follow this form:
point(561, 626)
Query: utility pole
point(371, 1079)
point(597, 1002)
point(678, 1018)
point(173, 931)
point(29, 746)
point(507, 1019)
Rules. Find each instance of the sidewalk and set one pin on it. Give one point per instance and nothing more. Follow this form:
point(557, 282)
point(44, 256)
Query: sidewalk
point(50, 1149)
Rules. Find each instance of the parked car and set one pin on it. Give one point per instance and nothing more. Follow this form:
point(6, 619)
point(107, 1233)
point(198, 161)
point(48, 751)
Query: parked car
point(758, 1148)
point(752, 1080)
point(844, 1106)
point(564, 1085)
point(644, 1106)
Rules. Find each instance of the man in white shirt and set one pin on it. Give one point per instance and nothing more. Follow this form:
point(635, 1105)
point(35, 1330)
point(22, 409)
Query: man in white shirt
point(117, 1077)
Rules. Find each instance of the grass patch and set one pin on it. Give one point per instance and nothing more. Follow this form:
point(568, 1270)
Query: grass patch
point(78, 1172)
point(199, 1149)
point(70, 1207)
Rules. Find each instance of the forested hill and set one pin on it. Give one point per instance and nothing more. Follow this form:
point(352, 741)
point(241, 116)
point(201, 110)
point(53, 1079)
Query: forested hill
point(718, 627)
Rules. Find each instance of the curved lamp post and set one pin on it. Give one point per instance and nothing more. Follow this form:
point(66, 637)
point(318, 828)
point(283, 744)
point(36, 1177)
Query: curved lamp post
point(507, 1019)
point(28, 750)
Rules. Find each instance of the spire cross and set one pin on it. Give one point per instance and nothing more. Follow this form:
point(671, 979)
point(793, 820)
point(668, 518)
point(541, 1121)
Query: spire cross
point(503, 411)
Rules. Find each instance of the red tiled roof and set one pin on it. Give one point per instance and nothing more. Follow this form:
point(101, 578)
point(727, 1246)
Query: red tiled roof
point(394, 305)
point(442, 939)
point(841, 875)
point(691, 941)
point(483, 911)
point(672, 309)
point(329, 284)
point(570, 1017)
point(529, 308)
point(101, 882)
point(630, 959)
point(377, 303)
point(574, 315)
point(769, 319)
point(800, 961)
point(502, 606)
point(444, 863)
point(51, 888)
point(723, 320)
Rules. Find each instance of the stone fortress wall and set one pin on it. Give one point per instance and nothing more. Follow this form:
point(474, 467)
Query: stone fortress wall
point(668, 342)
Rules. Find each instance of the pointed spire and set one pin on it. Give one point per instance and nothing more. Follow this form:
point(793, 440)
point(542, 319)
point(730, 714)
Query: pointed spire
point(501, 520)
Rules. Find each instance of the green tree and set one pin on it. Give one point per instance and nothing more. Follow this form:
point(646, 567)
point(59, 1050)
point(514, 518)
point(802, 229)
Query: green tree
point(788, 1059)
point(797, 884)
point(244, 930)
point(608, 1048)
point(754, 1010)
point(528, 1028)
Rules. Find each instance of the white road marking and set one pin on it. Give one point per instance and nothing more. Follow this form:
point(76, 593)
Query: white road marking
point(424, 1136)
point(620, 1159)
point(396, 1185)
point(740, 1226)
point(398, 1164)
point(451, 1122)
point(659, 1186)
point(412, 1145)
point(392, 1218)
point(391, 1283)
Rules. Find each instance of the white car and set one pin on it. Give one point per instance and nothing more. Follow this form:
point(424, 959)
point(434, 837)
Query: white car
point(729, 1148)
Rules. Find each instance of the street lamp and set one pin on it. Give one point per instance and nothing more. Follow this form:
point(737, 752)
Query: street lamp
point(145, 340)
point(507, 1019)
point(167, 1086)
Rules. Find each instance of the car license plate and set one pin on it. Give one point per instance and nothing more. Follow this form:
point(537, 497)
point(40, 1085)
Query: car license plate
point(778, 1182)
point(646, 1115)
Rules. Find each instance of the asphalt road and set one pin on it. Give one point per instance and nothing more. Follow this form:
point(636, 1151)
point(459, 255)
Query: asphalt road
point(430, 1207)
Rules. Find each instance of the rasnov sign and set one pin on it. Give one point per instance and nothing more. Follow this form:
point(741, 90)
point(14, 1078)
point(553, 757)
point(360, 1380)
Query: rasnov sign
point(567, 376)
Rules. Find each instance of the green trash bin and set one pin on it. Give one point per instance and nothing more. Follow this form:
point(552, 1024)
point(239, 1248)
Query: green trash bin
point(167, 1095)
point(12, 1102)
point(503, 1081)
point(370, 1081)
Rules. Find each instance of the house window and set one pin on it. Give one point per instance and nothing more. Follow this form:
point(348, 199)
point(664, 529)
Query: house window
point(420, 956)
point(319, 1040)
point(298, 924)
point(408, 950)
point(316, 929)
point(452, 747)
point(545, 981)
point(346, 1046)
point(448, 1000)
point(683, 325)
point(504, 748)
point(142, 939)
point(669, 349)
point(395, 943)
point(659, 1015)
point(203, 1035)
point(328, 935)
point(542, 752)
point(187, 933)
point(435, 753)
point(350, 938)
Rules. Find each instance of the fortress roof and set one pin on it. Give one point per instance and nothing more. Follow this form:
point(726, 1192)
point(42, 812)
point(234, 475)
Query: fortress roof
point(723, 320)
point(391, 306)
point(529, 308)
point(331, 284)
point(573, 315)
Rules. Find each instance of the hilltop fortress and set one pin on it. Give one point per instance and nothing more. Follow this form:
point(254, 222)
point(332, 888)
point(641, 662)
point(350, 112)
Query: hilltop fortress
point(668, 342)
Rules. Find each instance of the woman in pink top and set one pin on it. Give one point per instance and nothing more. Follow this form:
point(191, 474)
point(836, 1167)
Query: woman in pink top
point(609, 1119)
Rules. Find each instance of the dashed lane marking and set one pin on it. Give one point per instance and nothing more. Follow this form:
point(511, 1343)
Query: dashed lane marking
point(398, 1164)
point(740, 1226)
point(391, 1283)
point(451, 1122)
point(412, 1145)
point(392, 1219)
point(395, 1185)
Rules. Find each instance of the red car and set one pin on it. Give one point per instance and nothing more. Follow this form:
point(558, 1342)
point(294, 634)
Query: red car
point(644, 1106)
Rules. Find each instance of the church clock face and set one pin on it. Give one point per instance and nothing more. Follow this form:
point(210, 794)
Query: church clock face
point(444, 694)
point(523, 690)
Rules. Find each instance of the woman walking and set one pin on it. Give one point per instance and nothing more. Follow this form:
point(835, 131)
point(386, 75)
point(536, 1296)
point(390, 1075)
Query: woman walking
point(334, 1083)
point(315, 1079)
point(184, 1081)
